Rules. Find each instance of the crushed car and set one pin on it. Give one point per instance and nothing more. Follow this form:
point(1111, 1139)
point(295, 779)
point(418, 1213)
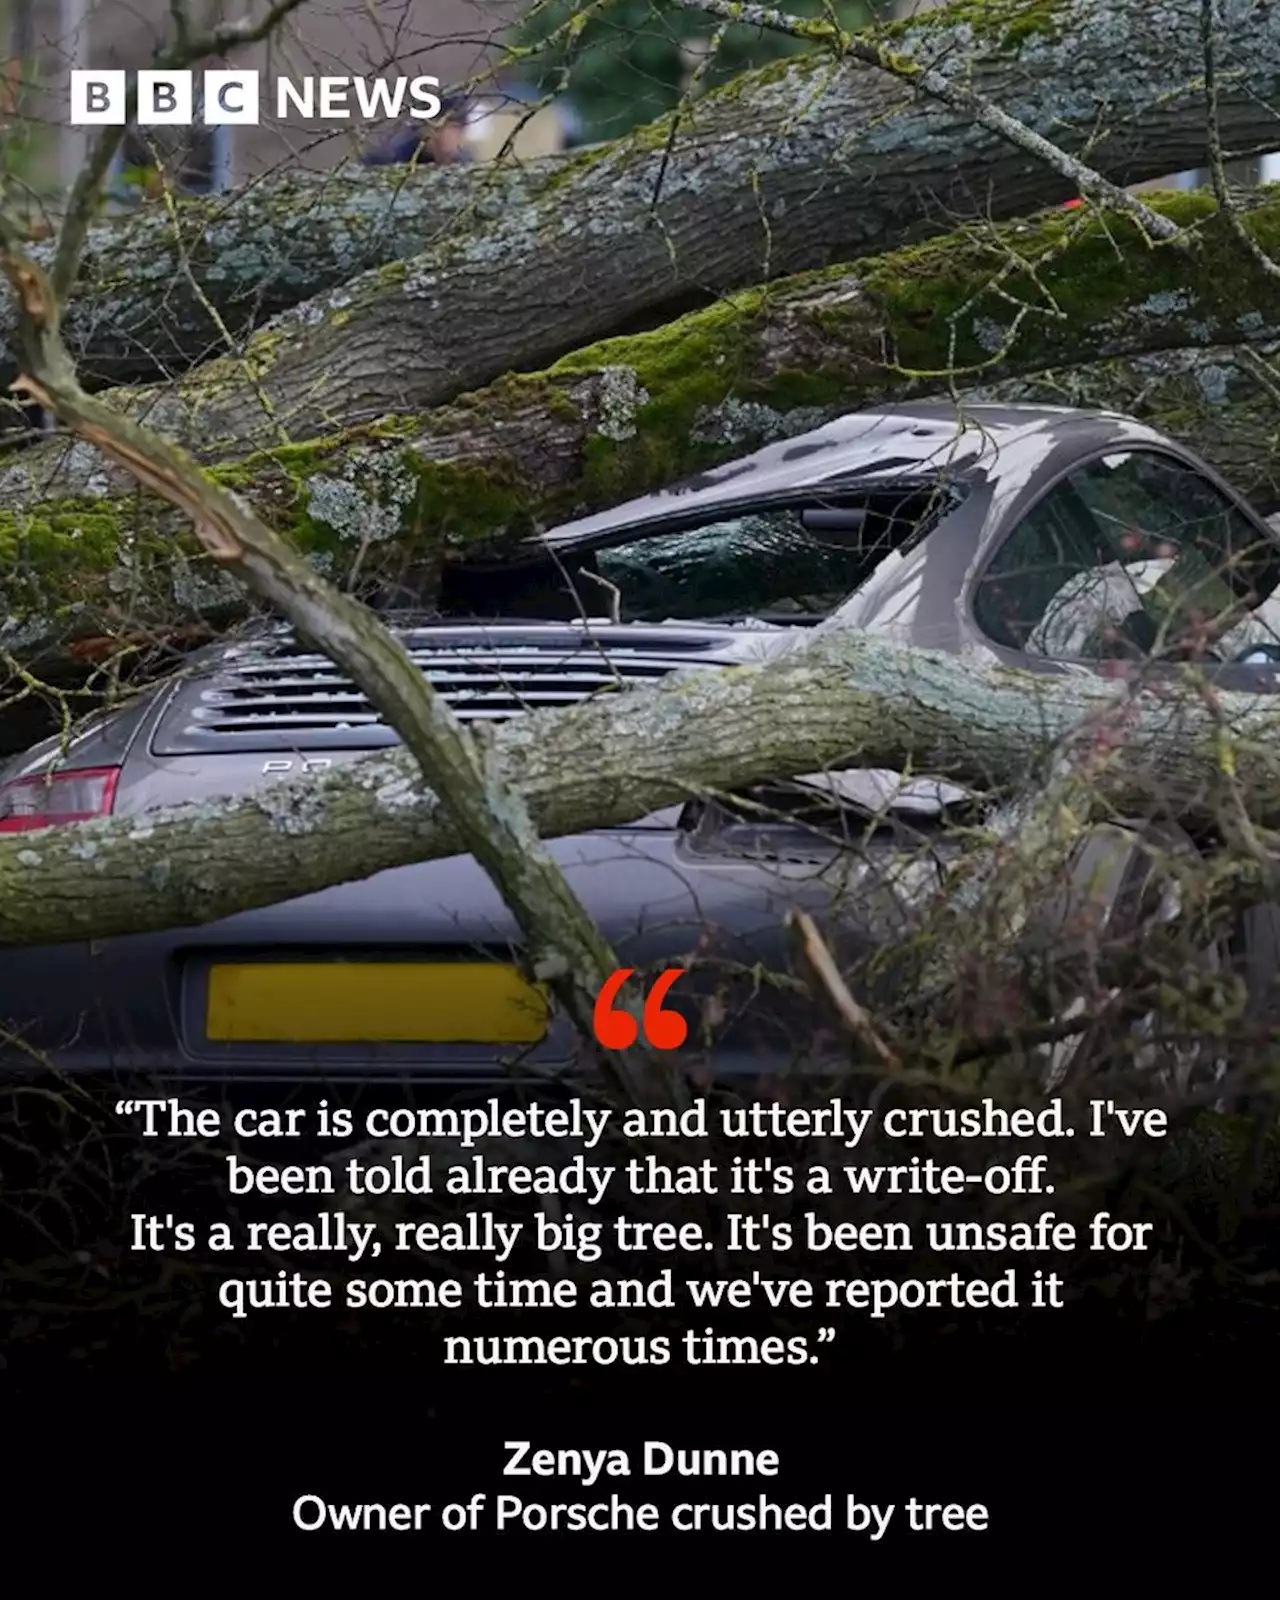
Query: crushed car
point(1047, 539)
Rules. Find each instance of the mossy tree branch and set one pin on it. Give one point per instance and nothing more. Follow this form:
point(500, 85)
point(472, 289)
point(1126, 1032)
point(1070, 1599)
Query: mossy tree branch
point(839, 700)
point(87, 554)
point(157, 287)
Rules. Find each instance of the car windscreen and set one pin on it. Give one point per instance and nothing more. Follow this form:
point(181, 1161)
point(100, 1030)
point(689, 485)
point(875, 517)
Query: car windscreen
point(794, 562)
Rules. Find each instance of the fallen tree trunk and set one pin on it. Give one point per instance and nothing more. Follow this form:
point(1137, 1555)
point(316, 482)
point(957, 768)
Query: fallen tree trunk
point(165, 286)
point(86, 554)
point(839, 700)
point(787, 169)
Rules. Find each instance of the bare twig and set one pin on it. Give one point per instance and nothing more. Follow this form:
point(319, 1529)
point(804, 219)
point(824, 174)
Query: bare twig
point(823, 965)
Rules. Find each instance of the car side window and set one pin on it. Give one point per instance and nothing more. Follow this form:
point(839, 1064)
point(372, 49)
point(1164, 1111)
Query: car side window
point(1135, 553)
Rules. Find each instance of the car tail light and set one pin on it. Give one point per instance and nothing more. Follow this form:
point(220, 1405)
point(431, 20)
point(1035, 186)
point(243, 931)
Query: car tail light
point(50, 797)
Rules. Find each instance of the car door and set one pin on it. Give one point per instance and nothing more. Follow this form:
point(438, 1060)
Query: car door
point(1162, 566)
point(1133, 556)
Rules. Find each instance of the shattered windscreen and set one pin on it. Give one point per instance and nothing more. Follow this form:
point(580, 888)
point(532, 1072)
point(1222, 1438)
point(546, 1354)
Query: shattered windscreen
point(791, 564)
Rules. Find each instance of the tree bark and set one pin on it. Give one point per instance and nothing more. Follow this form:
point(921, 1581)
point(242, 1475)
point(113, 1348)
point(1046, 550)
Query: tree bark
point(168, 285)
point(838, 700)
point(88, 556)
point(165, 286)
point(789, 168)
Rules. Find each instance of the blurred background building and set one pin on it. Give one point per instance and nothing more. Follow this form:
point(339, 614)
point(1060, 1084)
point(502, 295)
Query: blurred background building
point(460, 42)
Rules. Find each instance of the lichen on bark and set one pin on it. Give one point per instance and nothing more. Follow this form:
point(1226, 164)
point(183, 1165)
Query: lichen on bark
point(149, 280)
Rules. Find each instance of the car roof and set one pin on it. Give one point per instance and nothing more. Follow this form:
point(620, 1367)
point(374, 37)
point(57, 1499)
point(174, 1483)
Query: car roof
point(919, 437)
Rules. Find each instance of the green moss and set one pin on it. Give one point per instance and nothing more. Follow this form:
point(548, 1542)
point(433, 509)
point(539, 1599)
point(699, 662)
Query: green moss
point(289, 466)
point(390, 275)
point(559, 404)
point(451, 507)
point(1079, 273)
point(394, 427)
point(296, 461)
point(796, 390)
point(775, 71)
point(691, 364)
point(573, 167)
point(457, 506)
point(689, 368)
point(1007, 24)
point(515, 391)
point(63, 556)
point(235, 475)
point(60, 537)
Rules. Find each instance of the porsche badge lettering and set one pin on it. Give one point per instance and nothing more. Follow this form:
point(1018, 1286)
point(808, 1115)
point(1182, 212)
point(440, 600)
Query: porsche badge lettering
point(304, 764)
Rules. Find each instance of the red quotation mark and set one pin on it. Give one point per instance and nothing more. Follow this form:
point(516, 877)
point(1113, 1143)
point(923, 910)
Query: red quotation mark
point(617, 1030)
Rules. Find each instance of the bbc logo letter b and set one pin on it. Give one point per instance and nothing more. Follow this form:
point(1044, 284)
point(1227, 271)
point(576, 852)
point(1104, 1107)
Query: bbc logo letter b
point(98, 98)
point(165, 98)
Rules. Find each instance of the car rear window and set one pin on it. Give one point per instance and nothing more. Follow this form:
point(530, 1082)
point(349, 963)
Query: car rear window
point(791, 563)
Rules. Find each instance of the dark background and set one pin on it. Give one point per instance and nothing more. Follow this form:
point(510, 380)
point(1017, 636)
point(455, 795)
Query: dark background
point(162, 1445)
point(201, 1477)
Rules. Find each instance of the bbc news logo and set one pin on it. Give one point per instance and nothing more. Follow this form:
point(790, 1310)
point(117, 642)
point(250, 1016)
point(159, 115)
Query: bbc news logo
point(234, 99)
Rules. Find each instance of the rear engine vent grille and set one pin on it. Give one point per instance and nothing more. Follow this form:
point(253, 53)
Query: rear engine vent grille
point(285, 699)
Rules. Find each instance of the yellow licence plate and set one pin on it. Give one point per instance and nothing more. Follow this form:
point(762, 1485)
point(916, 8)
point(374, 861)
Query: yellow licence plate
point(403, 1002)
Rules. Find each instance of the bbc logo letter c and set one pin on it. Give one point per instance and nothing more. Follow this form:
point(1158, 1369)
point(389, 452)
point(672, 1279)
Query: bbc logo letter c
point(231, 99)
